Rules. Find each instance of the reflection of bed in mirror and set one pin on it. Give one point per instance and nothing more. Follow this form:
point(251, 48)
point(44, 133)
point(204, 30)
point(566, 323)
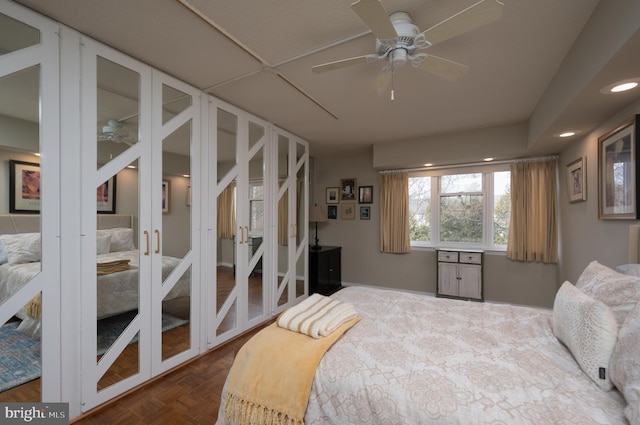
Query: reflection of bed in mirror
point(116, 266)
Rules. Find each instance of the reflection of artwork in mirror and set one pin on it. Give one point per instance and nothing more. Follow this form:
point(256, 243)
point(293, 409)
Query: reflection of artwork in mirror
point(348, 211)
point(365, 194)
point(166, 197)
point(332, 195)
point(106, 197)
point(576, 184)
point(617, 172)
point(348, 189)
point(332, 212)
point(365, 213)
point(24, 187)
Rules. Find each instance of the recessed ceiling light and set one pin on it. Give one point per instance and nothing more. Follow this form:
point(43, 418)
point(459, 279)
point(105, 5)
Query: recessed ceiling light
point(621, 86)
point(567, 134)
point(428, 164)
point(488, 159)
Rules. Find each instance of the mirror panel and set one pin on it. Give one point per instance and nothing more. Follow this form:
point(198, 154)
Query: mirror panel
point(16, 35)
point(256, 233)
point(19, 146)
point(176, 225)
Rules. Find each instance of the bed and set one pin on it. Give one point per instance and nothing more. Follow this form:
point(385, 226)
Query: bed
point(416, 359)
point(116, 264)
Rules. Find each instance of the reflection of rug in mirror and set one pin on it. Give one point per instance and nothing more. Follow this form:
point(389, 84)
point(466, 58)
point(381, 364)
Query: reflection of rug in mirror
point(20, 354)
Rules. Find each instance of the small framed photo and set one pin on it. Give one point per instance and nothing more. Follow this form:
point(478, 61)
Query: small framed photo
point(332, 212)
point(576, 180)
point(333, 195)
point(365, 213)
point(166, 197)
point(365, 194)
point(348, 211)
point(348, 189)
point(618, 174)
point(106, 197)
point(24, 187)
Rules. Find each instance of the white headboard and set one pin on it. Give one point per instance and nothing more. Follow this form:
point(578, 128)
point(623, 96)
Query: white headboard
point(633, 252)
point(30, 223)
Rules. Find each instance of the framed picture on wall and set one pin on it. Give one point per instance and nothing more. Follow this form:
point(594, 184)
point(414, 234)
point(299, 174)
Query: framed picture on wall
point(576, 180)
point(365, 194)
point(332, 212)
point(348, 189)
point(24, 187)
point(166, 197)
point(333, 195)
point(618, 172)
point(348, 211)
point(365, 213)
point(106, 197)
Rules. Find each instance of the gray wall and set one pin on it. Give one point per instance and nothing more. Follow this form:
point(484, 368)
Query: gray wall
point(363, 264)
point(584, 237)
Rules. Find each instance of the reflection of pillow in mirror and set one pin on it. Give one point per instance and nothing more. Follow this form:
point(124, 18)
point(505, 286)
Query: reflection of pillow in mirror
point(3, 255)
point(121, 238)
point(103, 244)
point(22, 247)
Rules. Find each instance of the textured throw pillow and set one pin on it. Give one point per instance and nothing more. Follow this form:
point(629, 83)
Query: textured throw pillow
point(625, 364)
point(21, 247)
point(589, 330)
point(3, 255)
point(121, 238)
point(618, 291)
point(103, 244)
point(629, 269)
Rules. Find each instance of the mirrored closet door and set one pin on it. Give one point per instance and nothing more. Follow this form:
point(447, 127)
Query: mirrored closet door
point(291, 244)
point(242, 215)
point(29, 208)
point(140, 137)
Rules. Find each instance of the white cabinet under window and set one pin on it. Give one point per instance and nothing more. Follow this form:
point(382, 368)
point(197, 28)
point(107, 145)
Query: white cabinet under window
point(460, 274)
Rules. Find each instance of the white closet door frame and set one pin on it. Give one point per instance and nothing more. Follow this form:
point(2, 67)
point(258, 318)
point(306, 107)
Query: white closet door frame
point(240, 173)
point(160, 131)
point(47, 281)
point(92, 372)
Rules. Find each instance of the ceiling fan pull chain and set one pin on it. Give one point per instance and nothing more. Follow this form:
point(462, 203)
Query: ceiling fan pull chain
point(392, 92)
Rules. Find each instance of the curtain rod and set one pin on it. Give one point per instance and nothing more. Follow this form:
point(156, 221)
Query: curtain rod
point(472, 164)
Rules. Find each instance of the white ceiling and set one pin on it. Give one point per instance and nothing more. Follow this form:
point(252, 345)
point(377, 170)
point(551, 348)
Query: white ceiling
point(258, 56)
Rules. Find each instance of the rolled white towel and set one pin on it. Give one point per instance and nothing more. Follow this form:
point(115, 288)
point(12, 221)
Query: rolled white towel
point(317, 316)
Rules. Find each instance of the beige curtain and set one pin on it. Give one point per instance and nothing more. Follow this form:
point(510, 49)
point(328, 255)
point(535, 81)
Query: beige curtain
point(283, 219)
point(394, 213)
point(227, 213)
point(533, 233)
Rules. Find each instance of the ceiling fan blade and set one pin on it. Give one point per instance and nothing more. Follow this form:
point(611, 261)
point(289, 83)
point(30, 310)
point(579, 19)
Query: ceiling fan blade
point(481, 13)
point(444, 68)
point(330, 66)
point(374, 15)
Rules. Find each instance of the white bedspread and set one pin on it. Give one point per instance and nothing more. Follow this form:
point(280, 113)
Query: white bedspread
point(416, 359)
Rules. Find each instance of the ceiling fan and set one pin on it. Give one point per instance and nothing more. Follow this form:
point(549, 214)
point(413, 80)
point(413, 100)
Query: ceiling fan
point(114, 131)
point(398, 39)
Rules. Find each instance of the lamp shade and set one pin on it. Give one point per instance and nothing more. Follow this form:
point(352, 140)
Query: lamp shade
point(316, 214)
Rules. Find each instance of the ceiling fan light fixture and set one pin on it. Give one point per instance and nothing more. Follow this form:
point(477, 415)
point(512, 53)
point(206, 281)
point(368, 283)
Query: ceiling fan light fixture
point(398, 57)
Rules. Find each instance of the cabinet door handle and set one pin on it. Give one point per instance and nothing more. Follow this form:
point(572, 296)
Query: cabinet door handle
point(246, 234)
point(157, 232)
point(146, 235)
point(241, 235)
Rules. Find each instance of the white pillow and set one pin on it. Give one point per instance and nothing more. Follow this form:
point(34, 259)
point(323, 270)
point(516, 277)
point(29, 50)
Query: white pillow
point(121, 238)
point(618, 291)
point(625, 364)
point(21, 247)
point(103, 244)
point(589, 329)
point(3, 255)
point(629, 269)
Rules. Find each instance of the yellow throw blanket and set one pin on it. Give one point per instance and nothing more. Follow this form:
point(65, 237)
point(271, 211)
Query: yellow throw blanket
point(271, 376)
point(109, 267)
point(33, 307)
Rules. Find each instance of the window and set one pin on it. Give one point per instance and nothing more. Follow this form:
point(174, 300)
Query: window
point(469, 210)
point(256, 207)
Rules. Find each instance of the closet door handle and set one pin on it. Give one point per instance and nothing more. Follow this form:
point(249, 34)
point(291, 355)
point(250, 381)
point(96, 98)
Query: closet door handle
point(246, 235)
point(241, 237)
point(294, 230)
point(146, 235)
point(157, 232)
